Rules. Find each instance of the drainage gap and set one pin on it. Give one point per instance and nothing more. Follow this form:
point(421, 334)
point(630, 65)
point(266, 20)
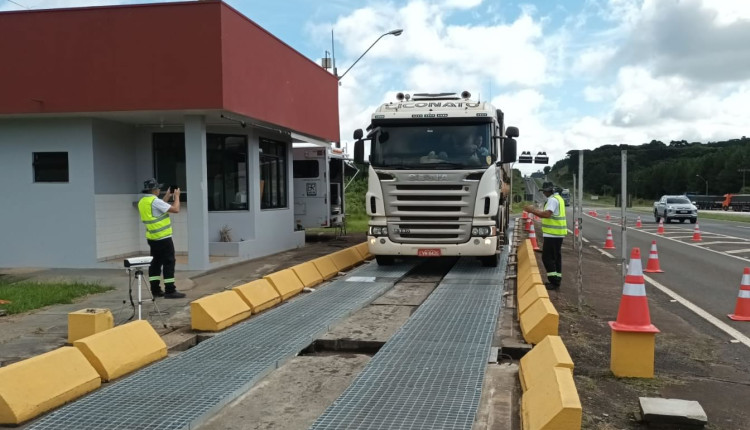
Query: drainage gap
point(323, 346)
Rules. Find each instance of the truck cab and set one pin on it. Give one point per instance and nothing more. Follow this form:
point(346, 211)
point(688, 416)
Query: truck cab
point(438, 177)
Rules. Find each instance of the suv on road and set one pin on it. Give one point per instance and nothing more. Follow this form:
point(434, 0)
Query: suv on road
point(675, 207)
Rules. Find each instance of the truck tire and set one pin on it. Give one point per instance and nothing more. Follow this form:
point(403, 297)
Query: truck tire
point(656, 216)
point(693, 220)
point(490, 260)
point(666, 219)
point(384, 260)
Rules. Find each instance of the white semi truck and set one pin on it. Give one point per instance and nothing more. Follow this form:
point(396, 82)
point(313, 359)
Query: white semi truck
point(438, 177)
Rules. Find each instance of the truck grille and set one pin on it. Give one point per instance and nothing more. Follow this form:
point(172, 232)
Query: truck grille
point(429, 211)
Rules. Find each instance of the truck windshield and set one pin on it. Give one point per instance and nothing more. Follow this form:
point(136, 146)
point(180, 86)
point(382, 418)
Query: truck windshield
point(431, 146)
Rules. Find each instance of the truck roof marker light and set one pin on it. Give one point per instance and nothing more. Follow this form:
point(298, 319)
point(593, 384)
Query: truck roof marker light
point(400, 97)
point(465, 95)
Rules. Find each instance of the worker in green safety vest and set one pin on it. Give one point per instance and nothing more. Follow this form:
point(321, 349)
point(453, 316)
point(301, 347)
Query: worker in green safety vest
point(155, 216)
point(554, 230)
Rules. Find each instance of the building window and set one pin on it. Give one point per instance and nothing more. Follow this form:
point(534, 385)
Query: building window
point(51, 167)
point(305, 169)
point(169, 161)
point(227, 172)
point(273, 161)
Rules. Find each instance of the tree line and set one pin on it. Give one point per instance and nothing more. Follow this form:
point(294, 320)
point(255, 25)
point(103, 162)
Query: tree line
point(656, 168)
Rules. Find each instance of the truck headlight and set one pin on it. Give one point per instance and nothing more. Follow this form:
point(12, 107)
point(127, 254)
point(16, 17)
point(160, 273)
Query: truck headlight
point(378, 231)
point(481, 231)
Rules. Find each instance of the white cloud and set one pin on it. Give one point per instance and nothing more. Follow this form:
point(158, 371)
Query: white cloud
point(594, 60)
point(597, 94)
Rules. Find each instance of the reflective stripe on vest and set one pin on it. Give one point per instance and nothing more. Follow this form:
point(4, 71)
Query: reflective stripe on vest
point(156, 227)
point(556, 225)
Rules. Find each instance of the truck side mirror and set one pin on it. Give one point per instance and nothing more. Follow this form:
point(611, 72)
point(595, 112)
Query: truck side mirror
point(358, 134)
point(509, 150)
point(359, 149)
point(511, 131)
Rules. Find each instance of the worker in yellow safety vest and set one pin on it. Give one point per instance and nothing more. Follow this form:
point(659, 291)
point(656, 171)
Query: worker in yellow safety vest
point(155, 216)
point(554, 230)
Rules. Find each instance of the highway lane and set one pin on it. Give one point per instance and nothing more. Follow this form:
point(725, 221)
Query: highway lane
point(707, 275)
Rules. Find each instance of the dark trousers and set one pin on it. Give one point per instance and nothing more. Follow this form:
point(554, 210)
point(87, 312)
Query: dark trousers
point(163, 253)
point(552, 259)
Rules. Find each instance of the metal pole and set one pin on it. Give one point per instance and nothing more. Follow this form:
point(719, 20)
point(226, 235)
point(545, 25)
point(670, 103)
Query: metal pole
point(579, 240)
point(574, 205)
point(623, 205)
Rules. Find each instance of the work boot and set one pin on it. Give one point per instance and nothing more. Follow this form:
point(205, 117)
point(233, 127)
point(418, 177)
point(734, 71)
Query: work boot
point(157, 292)
point(172, 293)
point(551, 287)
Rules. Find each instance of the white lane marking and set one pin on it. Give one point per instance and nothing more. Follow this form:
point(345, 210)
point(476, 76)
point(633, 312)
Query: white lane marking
point(603, 251)
point(701, 313)
point(738, 251)
point(738, 242)
point(679, 241)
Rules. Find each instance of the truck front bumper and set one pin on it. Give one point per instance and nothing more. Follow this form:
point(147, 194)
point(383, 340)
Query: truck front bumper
point(476, 246)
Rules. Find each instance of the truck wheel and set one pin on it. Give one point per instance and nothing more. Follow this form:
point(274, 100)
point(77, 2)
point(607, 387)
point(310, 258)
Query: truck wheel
point(490, 260)
point(384, 260)
point(693, 220)
point(666, 220)
point(656, 217)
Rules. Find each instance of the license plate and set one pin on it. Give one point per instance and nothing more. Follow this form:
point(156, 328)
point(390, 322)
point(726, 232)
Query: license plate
point(429, 252)
point(683, 212)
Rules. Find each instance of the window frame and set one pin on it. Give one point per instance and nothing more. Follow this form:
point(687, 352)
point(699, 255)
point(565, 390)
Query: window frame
point(280, 158)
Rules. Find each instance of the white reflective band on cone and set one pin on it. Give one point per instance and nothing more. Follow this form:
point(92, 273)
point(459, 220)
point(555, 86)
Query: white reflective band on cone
point(634, 290)
point(635, 267)
point(653, 257)
point(745, 281)
point(744, 294)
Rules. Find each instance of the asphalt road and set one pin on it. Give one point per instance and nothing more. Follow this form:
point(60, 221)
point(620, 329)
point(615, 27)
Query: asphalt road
point(707, 273)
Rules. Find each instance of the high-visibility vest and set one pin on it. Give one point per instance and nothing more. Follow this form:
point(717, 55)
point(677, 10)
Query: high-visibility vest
point(157, 227)
point(556, 225)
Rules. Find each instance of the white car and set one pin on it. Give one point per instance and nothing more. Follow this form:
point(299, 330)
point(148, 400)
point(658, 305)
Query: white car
point(675, 207)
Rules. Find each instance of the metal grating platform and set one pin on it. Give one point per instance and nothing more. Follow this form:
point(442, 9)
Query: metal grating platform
point(181, 392)
point(430, 374)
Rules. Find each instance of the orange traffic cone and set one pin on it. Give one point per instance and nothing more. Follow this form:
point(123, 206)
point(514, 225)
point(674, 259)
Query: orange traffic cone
point(633, 315)
point(536, 218)
point(696, 233)
point(575, 230)
point(595, 214)
point(524, 215)
point(608, 217)
point(609, 243)
point(532, 237)
point(660, 230)
point(653, 260)
point(742, 310)
point(638, 223)
point(528, 224)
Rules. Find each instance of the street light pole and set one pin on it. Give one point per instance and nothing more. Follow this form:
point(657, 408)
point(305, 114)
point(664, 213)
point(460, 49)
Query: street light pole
point(706, 180)
point(396, 32)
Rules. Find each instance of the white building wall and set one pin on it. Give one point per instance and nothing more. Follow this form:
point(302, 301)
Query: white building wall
point(46, 224)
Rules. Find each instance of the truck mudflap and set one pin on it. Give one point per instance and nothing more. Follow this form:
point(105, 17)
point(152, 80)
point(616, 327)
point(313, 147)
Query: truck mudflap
point(476, 246)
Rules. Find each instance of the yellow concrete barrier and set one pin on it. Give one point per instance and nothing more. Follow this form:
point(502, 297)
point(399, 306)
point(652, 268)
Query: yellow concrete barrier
point(39, 384)
point(528, 280)
point(218, 311)
point(535, 365)
point(87, 322)
point(120, 350)
point(554, 405)
point(539, 320)
point(535, 292)
point(308, 274)
point(258, 294)
point(364, 251)
point(345, 259)
point(326, 267)
point(286, 283)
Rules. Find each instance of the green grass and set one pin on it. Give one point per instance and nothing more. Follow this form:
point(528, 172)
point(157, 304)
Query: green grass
point(724, 217)
point(25, 295)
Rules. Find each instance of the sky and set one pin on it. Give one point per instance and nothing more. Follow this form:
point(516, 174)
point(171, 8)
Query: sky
point(570, 74)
